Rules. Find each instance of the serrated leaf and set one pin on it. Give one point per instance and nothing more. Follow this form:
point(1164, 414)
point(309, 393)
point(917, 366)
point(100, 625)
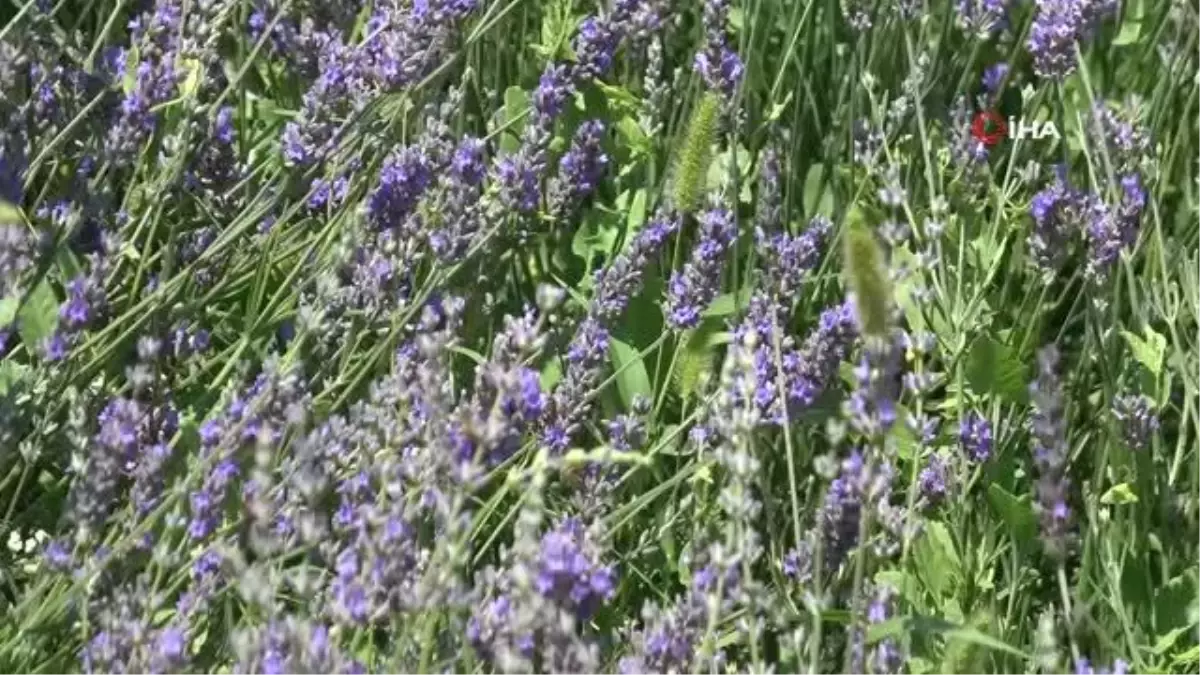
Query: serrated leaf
point(1148, 351)
point(632, 379)
point(1119, 494)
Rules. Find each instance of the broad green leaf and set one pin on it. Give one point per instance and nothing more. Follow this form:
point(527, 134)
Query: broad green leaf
point(39, 317)
point(1016, 512)
point(1149, 351)
point(8, 311)
point(10, 214)
point(597, 234)
point(11, 373)
point(551, 374)
point(637, 214)
point(940, 564)
point(632, 378)
point(516, 103)
point(631, 134)
point(1119, 494)
point(995, 368)
point(727, 304)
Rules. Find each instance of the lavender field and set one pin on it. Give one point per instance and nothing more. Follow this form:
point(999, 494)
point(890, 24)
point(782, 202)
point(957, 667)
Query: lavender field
point(639, 336)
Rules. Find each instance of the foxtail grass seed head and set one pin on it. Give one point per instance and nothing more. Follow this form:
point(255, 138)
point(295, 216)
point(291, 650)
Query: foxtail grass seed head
point(866, 274)
point(691, 165)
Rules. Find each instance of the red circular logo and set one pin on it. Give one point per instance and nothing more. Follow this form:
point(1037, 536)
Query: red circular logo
point(989, 128)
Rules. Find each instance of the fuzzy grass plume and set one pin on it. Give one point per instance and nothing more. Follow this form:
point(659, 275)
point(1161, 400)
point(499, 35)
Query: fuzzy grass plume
point(866, 274)
point(695, 155)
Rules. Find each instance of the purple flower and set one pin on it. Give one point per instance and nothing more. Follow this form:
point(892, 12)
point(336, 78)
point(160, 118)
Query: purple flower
point(618, 282)
point(975, 437)
point(554, 89)
point(595, 45)
point(1057, 212)
point(719, 66)
point(1137, 419)
point(983, 18)
point(1084, 667)
point(1058, 26)
point(405, 176)
point(571, 575)
point(467, 165)
point(691, 289)
point(872, 406)
point(580, 169)
point(934, 480)
point(994, 76)
point(1050, 454)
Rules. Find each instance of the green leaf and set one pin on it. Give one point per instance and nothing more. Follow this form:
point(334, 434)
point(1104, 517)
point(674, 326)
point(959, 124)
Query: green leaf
point(1189, 657)
point(39, 317)
point(1167, 640)
point(939, 563)
point(696, 356)
point(1149, 351)
point(631, 134)
point(597, 234)
point(10, 214)
point(632, 378)
point(728, 303)
point(551, 374)
point(995, 368)
point(818, 195)
point(955, 632)
point(516, 103)
point(1017, 513)
point(11, 373)
point(1131, 25)
point(637, 214)
point(1119, 494)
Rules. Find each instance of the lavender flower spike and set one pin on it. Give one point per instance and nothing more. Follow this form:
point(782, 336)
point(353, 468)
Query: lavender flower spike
point(692, 288)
